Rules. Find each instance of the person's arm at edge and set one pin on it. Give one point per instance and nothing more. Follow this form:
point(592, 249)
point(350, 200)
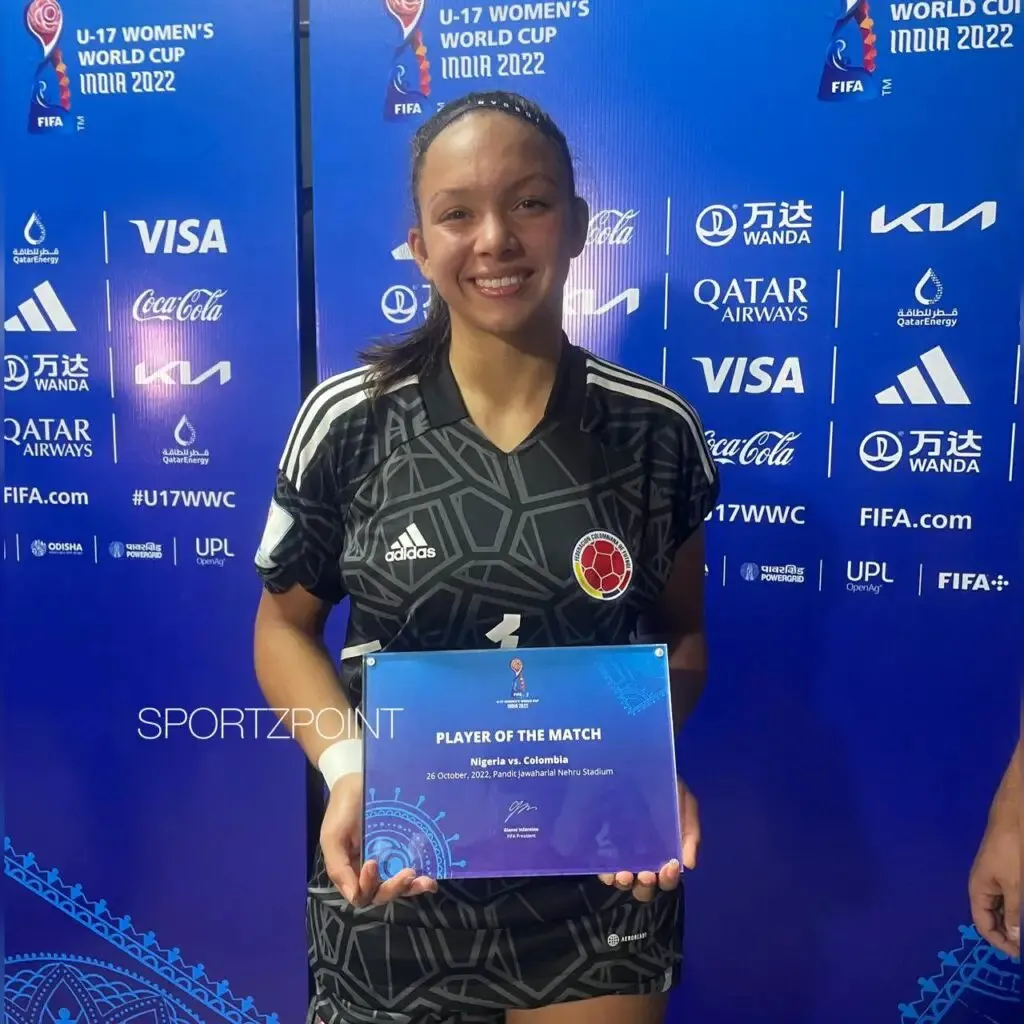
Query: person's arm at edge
point(681, 615)
point(1006, 802)
point(296, 674)
point(299, 682)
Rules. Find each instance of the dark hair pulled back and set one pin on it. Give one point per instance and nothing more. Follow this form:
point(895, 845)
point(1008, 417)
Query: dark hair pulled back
point(416, 351)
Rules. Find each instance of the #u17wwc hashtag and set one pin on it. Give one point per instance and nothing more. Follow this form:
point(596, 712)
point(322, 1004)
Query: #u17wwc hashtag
point(189, 499)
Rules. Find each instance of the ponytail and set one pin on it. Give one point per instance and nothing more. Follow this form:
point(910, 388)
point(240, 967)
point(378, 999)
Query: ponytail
point(413, 354)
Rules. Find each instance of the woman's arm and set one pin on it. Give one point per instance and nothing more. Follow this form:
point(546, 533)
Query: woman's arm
point(295, 671)
point(1006, 803)
point(681, 623)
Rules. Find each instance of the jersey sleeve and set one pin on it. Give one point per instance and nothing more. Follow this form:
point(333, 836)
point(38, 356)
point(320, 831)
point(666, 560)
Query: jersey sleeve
point(698, 484)
point(304, 533)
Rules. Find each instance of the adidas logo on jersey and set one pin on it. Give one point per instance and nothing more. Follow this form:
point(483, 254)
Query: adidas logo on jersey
point(410, 545)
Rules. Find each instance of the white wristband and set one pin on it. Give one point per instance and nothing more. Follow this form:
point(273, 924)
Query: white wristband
point(341, 758)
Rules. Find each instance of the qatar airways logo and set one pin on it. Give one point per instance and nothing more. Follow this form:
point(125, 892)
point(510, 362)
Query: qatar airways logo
point(200, 305)
point(765, 448)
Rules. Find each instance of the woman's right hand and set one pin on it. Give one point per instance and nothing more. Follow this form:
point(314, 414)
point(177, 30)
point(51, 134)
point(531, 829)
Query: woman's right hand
point(341, 840)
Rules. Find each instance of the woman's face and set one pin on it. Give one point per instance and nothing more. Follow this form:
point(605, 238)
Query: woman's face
point(499, 224)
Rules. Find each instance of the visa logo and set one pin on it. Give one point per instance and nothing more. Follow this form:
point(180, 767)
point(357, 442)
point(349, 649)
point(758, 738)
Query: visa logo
point(741, 374)
point(184, 237)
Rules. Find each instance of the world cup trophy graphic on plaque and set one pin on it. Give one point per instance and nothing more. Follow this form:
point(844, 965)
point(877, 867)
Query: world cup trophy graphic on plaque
point(518, 683)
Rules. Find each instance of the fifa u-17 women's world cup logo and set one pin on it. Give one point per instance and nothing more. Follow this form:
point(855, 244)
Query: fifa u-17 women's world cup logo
point(409, 85)
point(849, 72)
point(519, 683)
point(51, 90)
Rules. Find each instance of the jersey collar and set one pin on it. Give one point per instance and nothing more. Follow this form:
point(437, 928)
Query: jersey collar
point(444, 404)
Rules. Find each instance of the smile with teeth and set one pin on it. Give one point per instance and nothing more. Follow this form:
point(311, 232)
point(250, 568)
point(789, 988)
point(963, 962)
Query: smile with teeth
point(507, 285)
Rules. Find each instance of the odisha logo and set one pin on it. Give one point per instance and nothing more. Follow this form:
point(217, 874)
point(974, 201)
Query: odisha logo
point(405, 100)
point(51, 89)
point(849, 71)
point(602, 565)
point(519, 691)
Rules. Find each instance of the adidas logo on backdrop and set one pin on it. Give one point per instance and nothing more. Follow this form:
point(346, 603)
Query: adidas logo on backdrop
point(941, 376)
point(30, 315)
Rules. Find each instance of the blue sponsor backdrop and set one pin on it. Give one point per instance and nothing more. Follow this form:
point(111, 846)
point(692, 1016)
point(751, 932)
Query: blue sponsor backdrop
point(806, 220)
point(153, 869)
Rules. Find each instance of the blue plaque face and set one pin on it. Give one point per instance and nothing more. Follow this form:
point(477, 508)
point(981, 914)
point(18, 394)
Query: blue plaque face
point(504, 763)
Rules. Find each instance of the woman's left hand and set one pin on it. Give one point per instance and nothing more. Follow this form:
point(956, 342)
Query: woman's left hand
point(646, 883)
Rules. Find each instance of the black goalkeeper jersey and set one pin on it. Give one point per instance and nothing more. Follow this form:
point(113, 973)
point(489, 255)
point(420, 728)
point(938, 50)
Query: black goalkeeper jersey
point(442, 541)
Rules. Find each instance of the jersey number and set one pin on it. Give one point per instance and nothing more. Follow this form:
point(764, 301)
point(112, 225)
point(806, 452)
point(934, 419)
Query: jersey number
point(504, 633)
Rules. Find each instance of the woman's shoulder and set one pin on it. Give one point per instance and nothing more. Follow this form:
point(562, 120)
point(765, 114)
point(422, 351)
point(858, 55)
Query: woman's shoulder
point(629, 393)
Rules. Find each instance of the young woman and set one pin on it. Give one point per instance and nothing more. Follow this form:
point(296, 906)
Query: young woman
point(488, 445)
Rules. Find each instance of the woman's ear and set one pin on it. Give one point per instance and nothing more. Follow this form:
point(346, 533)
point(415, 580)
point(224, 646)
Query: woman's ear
point(419, 252)
point(580, 225)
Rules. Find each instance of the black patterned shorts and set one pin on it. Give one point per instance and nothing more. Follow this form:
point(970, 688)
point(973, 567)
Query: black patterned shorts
point(474, 949)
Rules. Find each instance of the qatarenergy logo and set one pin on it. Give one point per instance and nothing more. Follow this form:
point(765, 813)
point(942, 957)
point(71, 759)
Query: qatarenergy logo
point(207, 723)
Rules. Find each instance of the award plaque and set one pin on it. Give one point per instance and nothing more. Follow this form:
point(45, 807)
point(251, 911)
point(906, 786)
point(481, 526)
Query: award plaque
point(503, 763)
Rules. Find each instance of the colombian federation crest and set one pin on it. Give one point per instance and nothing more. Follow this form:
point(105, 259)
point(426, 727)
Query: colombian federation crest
point(602, 565)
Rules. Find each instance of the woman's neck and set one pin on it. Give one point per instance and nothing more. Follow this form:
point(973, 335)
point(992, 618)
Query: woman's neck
point(505, 373)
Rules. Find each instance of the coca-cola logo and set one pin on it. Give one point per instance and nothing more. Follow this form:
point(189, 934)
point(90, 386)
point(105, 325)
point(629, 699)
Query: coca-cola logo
point(198, 305)
point(611, 227)
point(766, 448)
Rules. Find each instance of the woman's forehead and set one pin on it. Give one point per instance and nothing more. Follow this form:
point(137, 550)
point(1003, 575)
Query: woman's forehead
point(487, 150)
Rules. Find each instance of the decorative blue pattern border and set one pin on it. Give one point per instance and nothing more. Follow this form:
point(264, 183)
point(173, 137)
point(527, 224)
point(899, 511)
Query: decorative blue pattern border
point(119, 932)
point(975, 966)
point(35, 980)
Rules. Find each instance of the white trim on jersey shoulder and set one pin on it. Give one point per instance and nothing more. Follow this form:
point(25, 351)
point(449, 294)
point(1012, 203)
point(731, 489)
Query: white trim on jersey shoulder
point(279, 523)
point(311, 406)
point(324, 405)
point(625, 382)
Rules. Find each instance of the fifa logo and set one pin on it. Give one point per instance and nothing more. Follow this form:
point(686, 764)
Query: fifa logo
point(51, 89)
point(518, 683)
point(850, 65)
point(409, 85)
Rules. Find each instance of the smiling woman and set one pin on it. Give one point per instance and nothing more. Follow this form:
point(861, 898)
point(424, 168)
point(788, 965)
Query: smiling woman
point(498, 224)
point(462, 490)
